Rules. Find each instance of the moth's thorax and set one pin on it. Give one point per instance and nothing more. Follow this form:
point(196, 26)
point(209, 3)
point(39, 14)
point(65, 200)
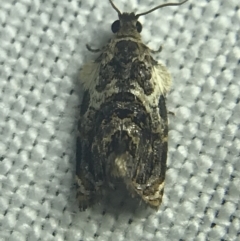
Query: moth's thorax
point(128, 28)
point(125, 51)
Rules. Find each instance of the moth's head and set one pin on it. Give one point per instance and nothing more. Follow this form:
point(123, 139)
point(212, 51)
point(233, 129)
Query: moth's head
point(128, 24)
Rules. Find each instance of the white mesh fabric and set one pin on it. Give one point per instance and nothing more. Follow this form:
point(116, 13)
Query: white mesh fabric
point(42, 49)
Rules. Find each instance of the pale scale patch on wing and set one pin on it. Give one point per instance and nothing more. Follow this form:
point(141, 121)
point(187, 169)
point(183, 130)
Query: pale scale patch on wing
point(161, 78)
point(89, 75)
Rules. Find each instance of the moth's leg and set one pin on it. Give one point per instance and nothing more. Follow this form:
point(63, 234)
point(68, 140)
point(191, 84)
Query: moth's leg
point(171, 113)
point(88, 188)
point(89, 48)
point(156, 51)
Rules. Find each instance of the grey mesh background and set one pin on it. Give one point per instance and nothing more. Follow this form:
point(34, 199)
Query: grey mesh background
point(42, 48)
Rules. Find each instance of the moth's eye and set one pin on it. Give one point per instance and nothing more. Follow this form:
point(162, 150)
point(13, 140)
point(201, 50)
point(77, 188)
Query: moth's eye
point(139, 27)
point(116, 26)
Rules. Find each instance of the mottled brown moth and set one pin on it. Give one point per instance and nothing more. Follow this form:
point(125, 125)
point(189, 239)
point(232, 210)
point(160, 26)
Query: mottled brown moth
point(123, 124)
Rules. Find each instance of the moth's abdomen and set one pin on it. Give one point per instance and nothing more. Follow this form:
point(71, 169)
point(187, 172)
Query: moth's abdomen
point(122, 125)
point(129, 147)
point(125, 106)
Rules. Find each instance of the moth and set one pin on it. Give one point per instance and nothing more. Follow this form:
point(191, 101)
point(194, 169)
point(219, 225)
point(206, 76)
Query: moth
point(123, 123)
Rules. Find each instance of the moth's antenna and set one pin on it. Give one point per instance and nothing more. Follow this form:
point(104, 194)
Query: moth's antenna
point(118, 11)
point(160, 6)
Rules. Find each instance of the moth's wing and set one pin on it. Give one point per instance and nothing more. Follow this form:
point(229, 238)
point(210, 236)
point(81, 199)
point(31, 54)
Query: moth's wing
point(89, 75)
point(149, 177)
point(88, 186)
point(162, 78)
